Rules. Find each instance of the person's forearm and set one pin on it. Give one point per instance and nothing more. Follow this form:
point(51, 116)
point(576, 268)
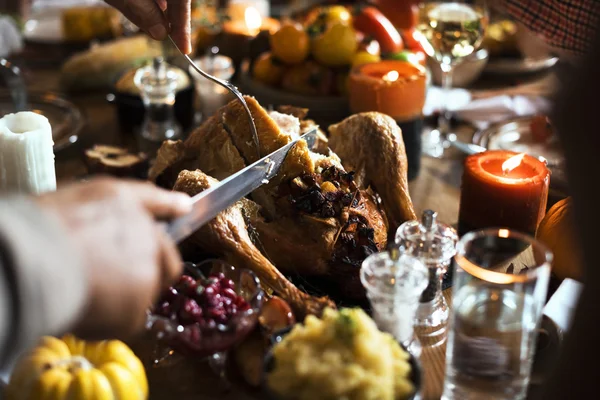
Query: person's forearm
point(42, 280)
point(568, 26)
point(576, 119)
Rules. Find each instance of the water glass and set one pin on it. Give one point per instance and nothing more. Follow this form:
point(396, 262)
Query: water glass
point(500, 282)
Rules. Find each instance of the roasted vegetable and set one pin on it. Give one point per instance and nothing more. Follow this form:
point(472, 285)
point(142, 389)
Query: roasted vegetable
point(372, 22)
point(336, 46)
point(72, 369)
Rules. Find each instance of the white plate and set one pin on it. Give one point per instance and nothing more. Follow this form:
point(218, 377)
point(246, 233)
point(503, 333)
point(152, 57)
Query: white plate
point(515, 66)
point(45, 27)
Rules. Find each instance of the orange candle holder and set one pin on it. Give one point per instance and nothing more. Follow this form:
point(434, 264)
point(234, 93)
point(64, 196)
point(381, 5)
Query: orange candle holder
point(396, 88)
point(503, 189)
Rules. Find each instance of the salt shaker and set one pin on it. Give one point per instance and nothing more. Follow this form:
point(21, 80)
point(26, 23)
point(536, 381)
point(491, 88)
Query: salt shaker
point(434, 244)
point(158, 83)
point(393, 284)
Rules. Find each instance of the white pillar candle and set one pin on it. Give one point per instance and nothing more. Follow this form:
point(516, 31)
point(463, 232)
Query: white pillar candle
point(26, 154)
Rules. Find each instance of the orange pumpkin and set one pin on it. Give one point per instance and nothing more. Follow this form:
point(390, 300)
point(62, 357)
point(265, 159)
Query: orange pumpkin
point(557, 232)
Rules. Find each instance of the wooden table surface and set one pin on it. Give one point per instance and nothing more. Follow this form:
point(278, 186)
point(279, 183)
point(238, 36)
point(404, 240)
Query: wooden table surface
point(437, 188)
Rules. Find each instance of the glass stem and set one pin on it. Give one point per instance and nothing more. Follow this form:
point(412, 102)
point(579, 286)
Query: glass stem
point(444, 118)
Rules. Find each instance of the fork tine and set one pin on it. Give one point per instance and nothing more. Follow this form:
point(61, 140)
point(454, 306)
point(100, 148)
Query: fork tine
point(229, 86)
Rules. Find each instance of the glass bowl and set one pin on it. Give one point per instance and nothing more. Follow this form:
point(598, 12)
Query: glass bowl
point(205, 338)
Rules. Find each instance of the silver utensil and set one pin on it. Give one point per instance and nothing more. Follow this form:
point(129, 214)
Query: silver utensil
point(467, 148)
point(227, 85)
point(212, 201)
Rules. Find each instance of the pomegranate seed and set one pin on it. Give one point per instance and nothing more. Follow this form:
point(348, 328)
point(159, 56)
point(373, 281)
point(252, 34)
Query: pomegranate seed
point(190, 312)
point(209, 291)
point(210, 324)
point(164, 309)
point(226, 301)
point(214, 301)
point(216, 312)
point(231, 309)
point(228, 284)
point(239, 301)
point(186, 284)
point(229, 293)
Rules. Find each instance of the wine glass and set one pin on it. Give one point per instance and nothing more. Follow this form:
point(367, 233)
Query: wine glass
point(449, 31)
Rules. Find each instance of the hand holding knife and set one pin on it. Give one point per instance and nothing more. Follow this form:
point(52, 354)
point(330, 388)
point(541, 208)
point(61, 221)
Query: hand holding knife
point(210, 202)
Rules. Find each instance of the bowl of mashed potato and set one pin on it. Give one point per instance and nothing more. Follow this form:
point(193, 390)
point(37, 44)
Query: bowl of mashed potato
point(342, 355)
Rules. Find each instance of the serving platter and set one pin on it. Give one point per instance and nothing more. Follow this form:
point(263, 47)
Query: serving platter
point(326, 109)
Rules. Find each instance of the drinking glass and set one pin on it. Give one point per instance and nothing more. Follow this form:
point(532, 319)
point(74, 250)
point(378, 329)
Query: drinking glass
point(500, 282)
point(449, 31)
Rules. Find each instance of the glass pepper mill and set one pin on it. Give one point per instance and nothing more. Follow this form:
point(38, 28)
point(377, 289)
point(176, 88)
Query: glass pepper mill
point(434, 244)
point(158, 86)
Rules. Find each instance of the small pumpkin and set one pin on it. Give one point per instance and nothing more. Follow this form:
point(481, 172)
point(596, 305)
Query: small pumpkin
point(70, 368)
point(557, 232)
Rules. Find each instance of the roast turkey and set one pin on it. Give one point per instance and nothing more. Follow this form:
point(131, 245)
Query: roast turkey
point(321, 216)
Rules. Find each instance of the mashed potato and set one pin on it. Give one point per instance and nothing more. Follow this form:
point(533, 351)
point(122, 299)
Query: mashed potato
point(341, 356)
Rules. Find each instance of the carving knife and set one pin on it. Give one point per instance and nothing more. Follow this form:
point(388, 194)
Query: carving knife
point(210, 202)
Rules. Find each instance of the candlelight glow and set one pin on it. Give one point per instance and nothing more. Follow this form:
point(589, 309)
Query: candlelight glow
point(512, 163)
point(391, 76)
point(253, 19)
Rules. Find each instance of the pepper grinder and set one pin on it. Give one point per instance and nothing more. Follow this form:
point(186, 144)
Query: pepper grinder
point(434, 244)
point(393, 284)
point(158, 86)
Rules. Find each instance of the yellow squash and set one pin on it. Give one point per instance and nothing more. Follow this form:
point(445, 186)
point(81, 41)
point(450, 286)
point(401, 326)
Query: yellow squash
point(72, 369)
point(556, 231)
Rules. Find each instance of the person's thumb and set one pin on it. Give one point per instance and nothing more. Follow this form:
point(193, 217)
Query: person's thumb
point(144, 13)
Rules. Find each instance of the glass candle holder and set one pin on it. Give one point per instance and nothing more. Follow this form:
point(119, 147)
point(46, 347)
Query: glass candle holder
point(500, 282)
point(210, 95)
point(393, 284)
point(434, 244)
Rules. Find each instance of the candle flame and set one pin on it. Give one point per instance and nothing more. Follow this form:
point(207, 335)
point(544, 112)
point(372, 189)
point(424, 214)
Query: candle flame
point(391, 76)
point(512, 163)
point(253, 19)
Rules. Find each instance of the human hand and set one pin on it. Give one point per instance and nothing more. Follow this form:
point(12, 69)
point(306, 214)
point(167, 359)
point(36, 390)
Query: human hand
point(160, 17)
point(128, 258)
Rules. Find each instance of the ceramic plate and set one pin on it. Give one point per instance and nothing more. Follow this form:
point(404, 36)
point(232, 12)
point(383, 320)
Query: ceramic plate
point(515, 135)
point(65, 118)
point(517, 66)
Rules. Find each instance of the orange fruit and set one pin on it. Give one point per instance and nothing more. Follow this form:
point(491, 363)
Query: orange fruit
point(267, 69)
point(290, 44)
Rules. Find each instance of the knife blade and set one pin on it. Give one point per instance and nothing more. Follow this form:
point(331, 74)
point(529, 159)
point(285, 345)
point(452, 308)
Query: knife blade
point(210, 202)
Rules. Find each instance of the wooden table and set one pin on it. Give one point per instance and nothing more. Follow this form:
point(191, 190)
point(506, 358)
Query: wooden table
point(437, 188)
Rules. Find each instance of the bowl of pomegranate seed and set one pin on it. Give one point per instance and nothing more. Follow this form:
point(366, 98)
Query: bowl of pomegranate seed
point(212, 307)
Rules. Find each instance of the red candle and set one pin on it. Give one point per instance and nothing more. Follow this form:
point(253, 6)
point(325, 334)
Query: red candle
point(503, 189)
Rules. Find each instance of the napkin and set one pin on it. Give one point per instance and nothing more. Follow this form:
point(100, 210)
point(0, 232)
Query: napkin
point(563, 303)
point(10, 37)
point(483, 112)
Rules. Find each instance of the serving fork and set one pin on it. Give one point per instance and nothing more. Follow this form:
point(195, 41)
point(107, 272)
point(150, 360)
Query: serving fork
point(227, 85)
